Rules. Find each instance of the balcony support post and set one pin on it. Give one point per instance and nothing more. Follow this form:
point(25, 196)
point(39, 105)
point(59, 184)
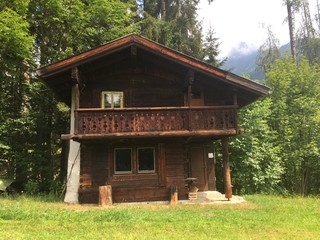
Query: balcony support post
point(226, 168)
point(75, 96)
point(190, 80)
point(235, 103)
point(73, 176)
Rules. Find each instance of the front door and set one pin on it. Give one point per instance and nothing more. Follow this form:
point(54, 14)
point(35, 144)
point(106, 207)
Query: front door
point(198, 167)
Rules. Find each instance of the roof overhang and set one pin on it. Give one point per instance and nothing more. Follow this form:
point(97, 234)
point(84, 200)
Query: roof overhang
point(48, 72)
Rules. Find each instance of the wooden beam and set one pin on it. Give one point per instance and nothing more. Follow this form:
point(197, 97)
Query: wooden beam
point(75, 75)
point(75, 82)
point(226, 168)
point(190, 80)
point(224, 107)
point(235, 103)
point(235, 97)
point(75, 104)
point(85, 57)
point(181, 133)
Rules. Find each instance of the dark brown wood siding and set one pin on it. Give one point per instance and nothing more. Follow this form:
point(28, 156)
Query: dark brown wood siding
point(140, 89)
point(97, 170)
point(94, 171)
point(211, 171)
point(176, 167)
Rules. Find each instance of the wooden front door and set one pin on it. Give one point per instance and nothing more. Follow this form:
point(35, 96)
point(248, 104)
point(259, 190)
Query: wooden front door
point(198, 167)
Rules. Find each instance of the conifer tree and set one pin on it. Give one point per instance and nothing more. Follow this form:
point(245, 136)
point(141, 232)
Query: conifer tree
point(211, 49)
point(174, 23)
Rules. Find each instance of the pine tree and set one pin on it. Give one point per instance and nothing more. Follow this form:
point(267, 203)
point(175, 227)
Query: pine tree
point(211, 49)
point(174, 23)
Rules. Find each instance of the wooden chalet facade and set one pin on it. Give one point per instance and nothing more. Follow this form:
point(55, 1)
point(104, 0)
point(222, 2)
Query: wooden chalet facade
point(143, 119)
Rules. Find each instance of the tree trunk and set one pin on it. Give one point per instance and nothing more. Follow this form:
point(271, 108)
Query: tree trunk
point(105, 195)
point(291, 29)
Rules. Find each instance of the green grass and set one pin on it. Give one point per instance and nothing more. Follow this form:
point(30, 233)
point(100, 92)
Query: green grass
point(260, 217)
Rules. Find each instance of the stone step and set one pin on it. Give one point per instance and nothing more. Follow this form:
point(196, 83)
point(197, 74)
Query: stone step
point(211, 195)
point(215, 196)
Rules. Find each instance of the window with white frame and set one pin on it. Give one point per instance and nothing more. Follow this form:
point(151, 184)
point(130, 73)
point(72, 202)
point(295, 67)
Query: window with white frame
point(134, 160)
point(123, 160)
point(146, 160)
point(111, 99)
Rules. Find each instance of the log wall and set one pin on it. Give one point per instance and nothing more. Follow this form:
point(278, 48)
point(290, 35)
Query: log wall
point(96, 170)
point(144, 96)
point(176, 167)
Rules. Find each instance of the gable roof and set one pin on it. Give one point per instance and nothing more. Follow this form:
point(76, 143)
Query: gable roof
point(48, 72)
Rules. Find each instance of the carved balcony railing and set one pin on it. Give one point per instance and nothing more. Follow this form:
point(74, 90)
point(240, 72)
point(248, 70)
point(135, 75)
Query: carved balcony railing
point(155, 119)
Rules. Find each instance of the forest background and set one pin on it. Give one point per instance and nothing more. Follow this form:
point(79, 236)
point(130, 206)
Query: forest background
point(279, 151)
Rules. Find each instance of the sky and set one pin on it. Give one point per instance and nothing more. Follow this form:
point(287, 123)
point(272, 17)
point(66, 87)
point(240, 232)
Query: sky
point(239, 23)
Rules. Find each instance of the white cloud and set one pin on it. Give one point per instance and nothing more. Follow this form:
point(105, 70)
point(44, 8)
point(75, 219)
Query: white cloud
point(237, 21)
point(242, 48)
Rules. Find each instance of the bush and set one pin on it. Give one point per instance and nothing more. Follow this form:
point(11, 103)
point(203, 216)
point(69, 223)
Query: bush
point(32, 188)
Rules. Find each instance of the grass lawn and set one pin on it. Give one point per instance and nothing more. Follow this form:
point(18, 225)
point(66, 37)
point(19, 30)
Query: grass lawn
point(260, 217)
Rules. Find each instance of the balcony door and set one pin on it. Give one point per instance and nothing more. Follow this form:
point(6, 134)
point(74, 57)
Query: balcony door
point(198, 167)
point(197, 98)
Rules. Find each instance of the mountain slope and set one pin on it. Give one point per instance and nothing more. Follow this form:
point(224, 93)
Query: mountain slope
point(243, 62)
point(244, 65)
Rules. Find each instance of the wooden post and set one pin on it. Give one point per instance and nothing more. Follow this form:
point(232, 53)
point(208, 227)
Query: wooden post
point(234, 111)
point(226, 168)
point(75, 96)
point(190, 80)
point(174, 196)
point(235, 99)
point(105, 195)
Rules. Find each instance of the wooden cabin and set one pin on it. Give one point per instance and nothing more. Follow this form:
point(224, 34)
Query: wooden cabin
point(143, 119)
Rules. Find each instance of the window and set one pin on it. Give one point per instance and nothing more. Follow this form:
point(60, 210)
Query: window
point(122, 160)
point(112, 99)
point(134, 160)
point(196, 95)
point(146, 162)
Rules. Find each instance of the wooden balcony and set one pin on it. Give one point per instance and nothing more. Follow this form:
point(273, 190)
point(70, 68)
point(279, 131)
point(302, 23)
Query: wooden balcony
point(156, 121)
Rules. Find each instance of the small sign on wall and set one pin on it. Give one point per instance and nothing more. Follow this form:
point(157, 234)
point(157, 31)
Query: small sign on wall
point(210, 155)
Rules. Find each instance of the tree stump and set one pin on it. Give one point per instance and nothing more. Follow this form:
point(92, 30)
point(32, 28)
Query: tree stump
point(105, 195)
point(174, 196)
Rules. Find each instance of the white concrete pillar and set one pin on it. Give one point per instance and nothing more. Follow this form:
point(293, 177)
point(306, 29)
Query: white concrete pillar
point(73, 176)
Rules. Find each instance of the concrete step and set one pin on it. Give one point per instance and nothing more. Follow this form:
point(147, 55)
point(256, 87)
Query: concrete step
point(215, 196)
point(210, 195)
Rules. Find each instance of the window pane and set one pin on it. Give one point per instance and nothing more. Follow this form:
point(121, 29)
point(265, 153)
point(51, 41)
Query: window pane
point(107, 100)
point(116, 100)
point(146, 160)
point(196, 95)
point(122, 160)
